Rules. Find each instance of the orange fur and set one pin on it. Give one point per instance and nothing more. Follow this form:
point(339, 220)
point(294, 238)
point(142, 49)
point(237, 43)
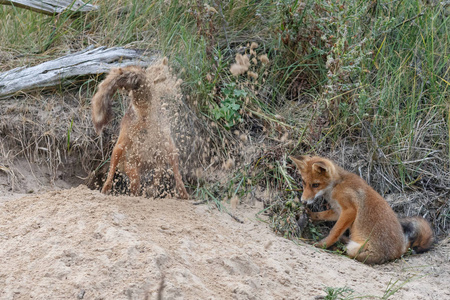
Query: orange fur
point(376, 234)
point(130, 153)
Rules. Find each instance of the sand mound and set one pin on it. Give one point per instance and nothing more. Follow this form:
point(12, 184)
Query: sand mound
point(80, 244)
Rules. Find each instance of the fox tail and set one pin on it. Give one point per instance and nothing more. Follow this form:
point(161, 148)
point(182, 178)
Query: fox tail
point(129, 78)
point(418, 233)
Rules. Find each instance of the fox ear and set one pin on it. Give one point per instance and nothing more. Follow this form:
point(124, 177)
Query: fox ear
point(320, 167)
point(300, 161)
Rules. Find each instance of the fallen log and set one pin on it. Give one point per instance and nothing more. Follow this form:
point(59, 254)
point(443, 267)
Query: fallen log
point(49, 7)
point(56, 72)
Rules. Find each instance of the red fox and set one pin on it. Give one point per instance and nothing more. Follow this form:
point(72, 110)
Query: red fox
point(144, 140)
point(376, 234)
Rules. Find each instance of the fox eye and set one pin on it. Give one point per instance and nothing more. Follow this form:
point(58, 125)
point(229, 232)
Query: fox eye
point(315, 185)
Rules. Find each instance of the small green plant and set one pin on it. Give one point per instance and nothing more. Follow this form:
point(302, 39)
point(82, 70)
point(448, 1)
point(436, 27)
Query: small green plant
point(228, 110)
point(338, 293)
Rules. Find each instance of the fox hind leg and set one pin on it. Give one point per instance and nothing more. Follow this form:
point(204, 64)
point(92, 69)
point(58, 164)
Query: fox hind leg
point(361, 252)
point(133, 174)
point(174, 162)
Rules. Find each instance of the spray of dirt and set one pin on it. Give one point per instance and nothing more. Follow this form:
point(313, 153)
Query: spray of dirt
point(145, 131)
point(163, 129)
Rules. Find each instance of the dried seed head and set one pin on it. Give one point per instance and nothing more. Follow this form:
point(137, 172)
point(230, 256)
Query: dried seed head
point(252, 75)
point(241, 66)
point(264, 59)
point(237, 69)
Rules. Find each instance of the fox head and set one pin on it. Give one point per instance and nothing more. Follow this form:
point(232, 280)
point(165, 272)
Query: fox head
point(318, 176)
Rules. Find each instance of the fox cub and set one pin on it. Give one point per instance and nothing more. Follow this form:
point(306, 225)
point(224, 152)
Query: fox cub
point(144, 141)
point(376, 234)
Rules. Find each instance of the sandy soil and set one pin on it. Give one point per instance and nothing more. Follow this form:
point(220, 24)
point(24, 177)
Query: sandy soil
point(80, 244)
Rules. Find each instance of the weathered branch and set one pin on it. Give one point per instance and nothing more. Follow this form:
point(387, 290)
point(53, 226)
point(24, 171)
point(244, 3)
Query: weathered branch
point(55, 72)
point(49, 7)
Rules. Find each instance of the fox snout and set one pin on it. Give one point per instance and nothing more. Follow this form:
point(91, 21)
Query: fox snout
point(308, 198)
point(307, 201)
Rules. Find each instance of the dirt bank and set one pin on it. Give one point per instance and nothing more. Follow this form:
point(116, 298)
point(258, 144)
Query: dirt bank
point(80, 244)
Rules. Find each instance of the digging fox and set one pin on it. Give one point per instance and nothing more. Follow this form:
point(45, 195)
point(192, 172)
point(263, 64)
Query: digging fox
point(144, 140)
point(376, 234)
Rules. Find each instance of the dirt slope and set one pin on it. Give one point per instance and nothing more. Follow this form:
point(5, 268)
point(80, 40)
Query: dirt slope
point(80, 244)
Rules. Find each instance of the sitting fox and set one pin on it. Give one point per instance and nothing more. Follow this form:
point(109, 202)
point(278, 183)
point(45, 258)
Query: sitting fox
point(144, 140)
point(376, 234)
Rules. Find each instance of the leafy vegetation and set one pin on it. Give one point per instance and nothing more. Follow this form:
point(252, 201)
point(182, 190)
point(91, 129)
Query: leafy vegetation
point(228, 111)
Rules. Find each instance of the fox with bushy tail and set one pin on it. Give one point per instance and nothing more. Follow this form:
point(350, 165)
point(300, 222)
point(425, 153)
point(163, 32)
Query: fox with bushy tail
point(130, 78)
point(140, 129)
point(376, 234)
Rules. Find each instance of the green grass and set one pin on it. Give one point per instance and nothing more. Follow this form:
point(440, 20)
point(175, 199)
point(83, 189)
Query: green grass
point(346, 293)
point(341, 73)
point(338, 293)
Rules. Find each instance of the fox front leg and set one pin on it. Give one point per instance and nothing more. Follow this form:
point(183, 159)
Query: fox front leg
point(346, 219)
point(327, 215)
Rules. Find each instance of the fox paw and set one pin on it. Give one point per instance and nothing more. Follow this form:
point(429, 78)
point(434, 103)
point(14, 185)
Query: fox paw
point(106, 190)
point(184, 196)
point(321, 244)
point(312, 215)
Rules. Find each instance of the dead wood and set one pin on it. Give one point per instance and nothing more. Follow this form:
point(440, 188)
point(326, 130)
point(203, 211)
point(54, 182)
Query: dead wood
point(56, 72)
point(49, 7)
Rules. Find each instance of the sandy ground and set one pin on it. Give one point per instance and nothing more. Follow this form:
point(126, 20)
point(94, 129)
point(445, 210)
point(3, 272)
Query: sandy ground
point(80, 244)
